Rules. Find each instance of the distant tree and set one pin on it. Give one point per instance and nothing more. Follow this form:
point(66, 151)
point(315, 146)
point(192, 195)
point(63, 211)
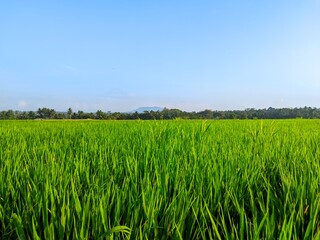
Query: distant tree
point(206, 114)
point(7, 115)
point(46, 113)
point(74, 116)
point(115, 116)
point(3, 115)
point(59, 115)
point(101, 115)
point(80, 115)
point(32, 115)
point(21, 115)
point(135, 115)
point(249, 113)
point(10, 115)
point(69, 113)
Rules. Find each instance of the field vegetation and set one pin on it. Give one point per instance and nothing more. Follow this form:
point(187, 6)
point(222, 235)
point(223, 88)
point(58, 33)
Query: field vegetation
point(183, 179)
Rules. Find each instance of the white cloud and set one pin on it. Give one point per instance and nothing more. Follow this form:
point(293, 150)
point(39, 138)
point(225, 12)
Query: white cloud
point(22, 104)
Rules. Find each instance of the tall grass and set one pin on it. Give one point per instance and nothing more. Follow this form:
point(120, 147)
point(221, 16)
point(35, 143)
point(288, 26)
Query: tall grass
point(160, 179)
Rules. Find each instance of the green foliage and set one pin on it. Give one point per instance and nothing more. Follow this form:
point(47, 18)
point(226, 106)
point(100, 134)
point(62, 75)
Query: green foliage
point(250, 113)
point(160, 179)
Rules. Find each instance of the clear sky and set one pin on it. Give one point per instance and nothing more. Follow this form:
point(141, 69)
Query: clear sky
point(191, 55)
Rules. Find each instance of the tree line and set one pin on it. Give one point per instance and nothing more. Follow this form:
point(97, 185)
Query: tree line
point(250, 113)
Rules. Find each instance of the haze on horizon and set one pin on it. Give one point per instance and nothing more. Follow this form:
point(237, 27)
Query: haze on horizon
point(191, 55)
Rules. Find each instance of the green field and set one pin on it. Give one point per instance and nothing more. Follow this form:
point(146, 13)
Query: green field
point(240, 179)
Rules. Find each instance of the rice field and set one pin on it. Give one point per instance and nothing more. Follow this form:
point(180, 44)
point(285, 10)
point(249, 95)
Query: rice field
point(245, 179)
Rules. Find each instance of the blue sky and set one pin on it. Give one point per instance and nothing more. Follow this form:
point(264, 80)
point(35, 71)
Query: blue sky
point(191, 55)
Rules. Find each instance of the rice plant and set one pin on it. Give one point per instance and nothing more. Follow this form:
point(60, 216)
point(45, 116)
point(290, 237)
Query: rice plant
point(182, 179)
